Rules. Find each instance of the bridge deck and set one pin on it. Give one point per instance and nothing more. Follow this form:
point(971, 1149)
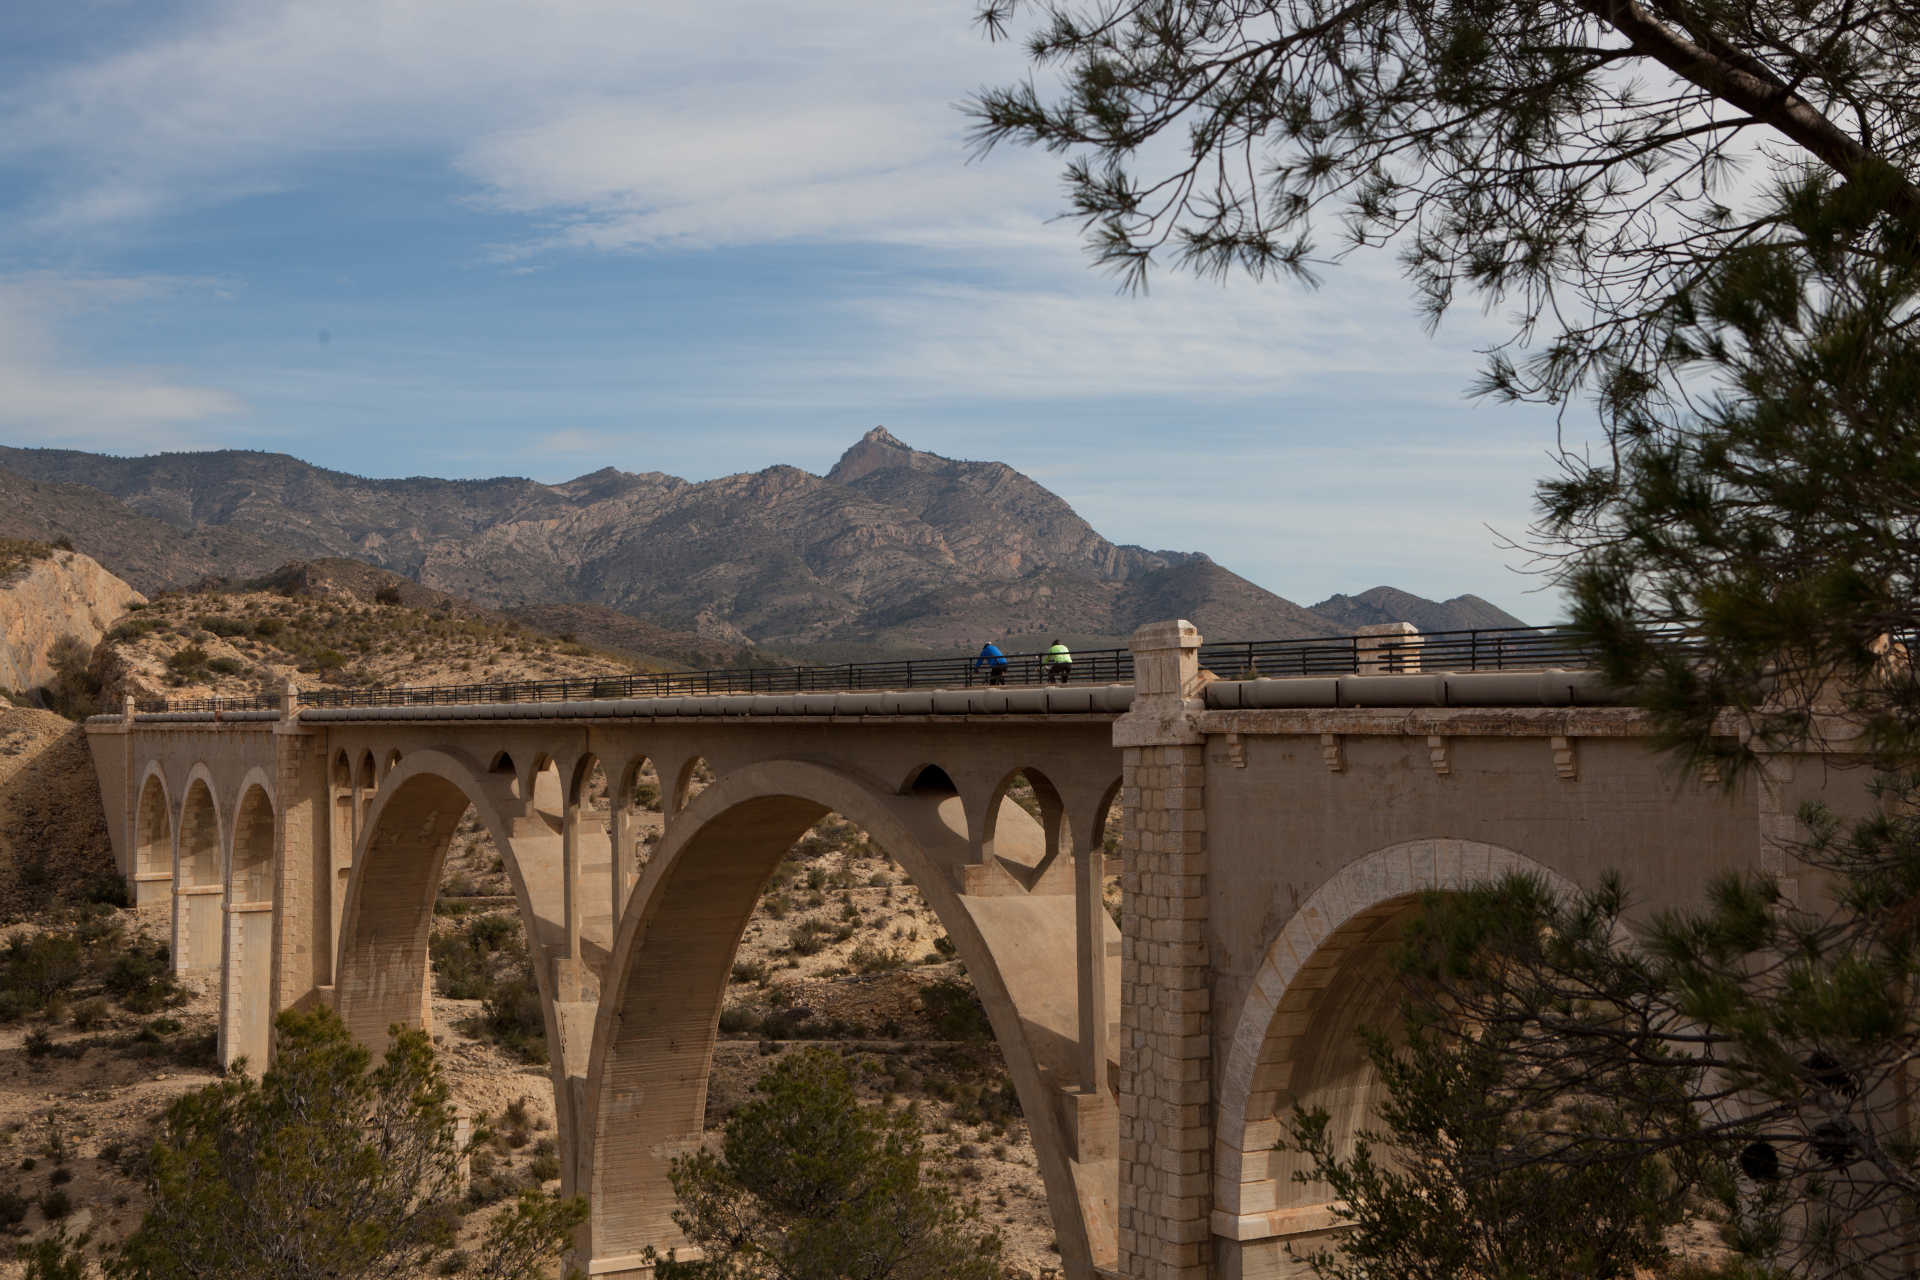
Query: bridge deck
point(1549, 688)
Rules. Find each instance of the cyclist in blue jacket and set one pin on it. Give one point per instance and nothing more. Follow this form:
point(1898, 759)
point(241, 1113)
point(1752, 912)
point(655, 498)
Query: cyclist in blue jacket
point(994, 661)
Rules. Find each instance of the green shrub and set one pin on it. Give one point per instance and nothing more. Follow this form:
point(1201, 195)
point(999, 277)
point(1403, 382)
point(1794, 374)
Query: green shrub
point(512, 1014)
point(34, 971)
point(808, 937)
point(749, 971)
point(222, 626)
point(90, 1013)
point(869, 957)
point(955, 1011)
point(226, 666)
point(140, 978)
point(740, 1020)
point(188, 660)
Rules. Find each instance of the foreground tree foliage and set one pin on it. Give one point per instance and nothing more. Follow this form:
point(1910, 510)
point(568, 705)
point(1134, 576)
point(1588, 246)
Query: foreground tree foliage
point(1573, 162)
point(328, 1166)
point(812, 1184)
point(1775, 518)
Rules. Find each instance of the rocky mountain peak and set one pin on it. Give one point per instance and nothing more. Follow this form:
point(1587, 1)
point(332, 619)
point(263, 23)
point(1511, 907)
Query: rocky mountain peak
point(878, 450)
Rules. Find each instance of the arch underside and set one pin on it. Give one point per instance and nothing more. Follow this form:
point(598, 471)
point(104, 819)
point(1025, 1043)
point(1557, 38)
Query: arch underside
point(1326, 977)
point(152, 877)
point(382, 963)
point(659, 1024)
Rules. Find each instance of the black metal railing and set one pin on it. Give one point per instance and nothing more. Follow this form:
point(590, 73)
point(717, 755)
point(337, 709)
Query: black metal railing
point(1487, 649)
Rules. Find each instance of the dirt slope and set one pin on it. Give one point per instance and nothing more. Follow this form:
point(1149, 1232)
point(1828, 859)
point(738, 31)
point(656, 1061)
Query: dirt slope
point(53, 832)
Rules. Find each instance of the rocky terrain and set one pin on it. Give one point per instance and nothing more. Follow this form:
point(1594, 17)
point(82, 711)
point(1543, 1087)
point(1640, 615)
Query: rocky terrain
point(238, 642)
point(1389, 604)
point(49, 596)
point(894, 549)
point(53, 831)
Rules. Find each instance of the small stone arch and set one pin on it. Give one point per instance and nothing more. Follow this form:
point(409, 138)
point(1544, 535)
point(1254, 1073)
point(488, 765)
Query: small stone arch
point(928, 777)
point(659, 1011)
point(1025, 846)
point(198, 888)
point(365, 784)
point(1326, 975)
point(639, 810)
point(686, 784)
point(152, 877)
point(548, 790)
point(246, 993)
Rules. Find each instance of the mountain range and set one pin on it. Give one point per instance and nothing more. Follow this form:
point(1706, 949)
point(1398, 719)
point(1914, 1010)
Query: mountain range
point(894, 549)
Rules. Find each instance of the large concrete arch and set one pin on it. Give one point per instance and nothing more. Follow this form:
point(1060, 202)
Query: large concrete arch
point(246, 989)
point(659, 1014)
point(151, 877)
point(382, 965)
point(1327, 974)
point(198, 882)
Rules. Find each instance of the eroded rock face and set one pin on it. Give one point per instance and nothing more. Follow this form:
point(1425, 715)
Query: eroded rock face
point(66, 594)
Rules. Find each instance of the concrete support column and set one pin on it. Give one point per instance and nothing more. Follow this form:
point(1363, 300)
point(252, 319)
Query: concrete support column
point(621, 815)
point(566, 970)
point(303, 912)
point(1166, 1121)
point(1090, 951)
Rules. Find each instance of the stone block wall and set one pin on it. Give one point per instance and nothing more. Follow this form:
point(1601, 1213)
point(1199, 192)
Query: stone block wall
point(1165, 1104)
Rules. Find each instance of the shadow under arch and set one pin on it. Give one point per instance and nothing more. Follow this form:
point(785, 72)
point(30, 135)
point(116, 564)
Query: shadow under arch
point(199, 837)
point(384, 972)
point(1295, 1039)
point(152, 878)
point(1029, 849)
point(659, 1013)
point(246, 993)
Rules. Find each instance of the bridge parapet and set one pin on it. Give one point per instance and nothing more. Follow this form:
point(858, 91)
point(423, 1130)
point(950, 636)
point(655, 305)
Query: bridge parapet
point(1395, 648)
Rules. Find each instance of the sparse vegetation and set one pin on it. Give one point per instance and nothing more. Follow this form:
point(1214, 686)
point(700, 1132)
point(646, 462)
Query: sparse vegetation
point(330, 1165)
point(485, 958)
point(41, 973)
point(811, 1182)
point(17, 554)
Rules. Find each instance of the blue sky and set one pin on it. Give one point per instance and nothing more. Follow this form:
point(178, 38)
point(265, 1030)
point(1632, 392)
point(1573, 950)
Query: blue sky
point(469, 237)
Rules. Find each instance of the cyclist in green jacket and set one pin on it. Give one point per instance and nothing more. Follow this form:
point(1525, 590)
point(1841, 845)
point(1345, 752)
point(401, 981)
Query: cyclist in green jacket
point(1058, 661)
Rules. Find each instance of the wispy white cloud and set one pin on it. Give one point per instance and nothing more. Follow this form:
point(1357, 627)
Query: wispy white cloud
point(621, 125)
point(48, 396)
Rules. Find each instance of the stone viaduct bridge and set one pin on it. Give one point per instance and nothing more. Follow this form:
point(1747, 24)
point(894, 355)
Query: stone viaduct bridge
point(1276, 833)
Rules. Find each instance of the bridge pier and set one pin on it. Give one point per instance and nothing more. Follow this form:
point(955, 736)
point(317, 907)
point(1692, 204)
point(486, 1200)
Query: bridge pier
point(1165, 1123)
